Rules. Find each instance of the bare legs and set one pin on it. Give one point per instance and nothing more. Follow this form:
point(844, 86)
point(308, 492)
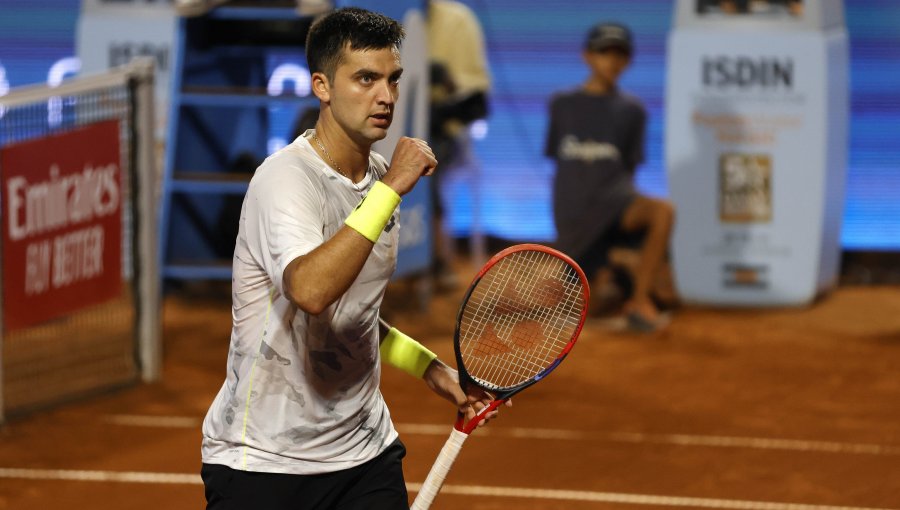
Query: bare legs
point(656, 217)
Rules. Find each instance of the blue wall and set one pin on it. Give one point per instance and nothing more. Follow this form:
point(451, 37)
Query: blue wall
point(34, 35)
point(534, 51)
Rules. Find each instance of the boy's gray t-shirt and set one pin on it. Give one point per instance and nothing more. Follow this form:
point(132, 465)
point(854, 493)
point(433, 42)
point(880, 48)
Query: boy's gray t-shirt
point(597, 142)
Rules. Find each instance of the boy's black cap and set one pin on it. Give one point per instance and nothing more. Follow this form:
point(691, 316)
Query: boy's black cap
point(604, 36)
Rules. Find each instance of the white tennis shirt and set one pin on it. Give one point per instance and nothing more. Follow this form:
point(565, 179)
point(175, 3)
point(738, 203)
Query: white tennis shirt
point(301, 394)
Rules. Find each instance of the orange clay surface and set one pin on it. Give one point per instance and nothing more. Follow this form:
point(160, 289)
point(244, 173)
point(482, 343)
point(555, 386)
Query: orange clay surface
point(722, 409)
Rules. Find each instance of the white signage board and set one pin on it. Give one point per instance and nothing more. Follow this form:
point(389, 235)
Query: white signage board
point(411, 119)
point(756, 153)
point(111, 34)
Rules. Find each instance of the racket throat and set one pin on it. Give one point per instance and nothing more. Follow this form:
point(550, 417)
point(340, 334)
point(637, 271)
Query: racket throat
point(467, 428)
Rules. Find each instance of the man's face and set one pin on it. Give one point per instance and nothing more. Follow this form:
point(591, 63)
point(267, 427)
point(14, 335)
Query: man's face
point(364, 92)
point(607, 65)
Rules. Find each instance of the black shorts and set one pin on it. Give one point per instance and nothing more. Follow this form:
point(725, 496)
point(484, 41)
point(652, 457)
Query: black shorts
point(376, 484)
point(597, 254)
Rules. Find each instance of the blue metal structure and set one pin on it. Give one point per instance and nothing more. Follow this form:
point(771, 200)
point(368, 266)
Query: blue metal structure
point(239, 82)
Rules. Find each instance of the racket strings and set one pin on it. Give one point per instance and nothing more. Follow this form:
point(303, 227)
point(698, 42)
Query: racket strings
point(539, 351)
point(520, 317)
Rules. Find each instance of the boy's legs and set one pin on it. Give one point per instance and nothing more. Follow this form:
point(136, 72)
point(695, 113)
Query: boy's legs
point(655, 217)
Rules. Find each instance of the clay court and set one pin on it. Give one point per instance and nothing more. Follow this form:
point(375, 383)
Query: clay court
point(792, 409)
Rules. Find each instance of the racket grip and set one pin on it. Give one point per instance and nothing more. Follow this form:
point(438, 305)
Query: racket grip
point(439, 471)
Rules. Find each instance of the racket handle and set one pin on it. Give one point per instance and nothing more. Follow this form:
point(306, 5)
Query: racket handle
point(439, 470)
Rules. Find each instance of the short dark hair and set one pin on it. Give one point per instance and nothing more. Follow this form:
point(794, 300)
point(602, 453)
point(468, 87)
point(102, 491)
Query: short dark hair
point(351, 26)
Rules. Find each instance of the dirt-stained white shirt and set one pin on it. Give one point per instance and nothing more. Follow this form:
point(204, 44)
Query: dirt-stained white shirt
point(301, 394)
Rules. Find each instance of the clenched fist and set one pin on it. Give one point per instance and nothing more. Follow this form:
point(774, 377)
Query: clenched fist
point(412, 159)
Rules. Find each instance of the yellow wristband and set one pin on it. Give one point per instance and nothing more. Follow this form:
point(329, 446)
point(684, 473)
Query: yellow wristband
point(374, 211)
point(405, 353)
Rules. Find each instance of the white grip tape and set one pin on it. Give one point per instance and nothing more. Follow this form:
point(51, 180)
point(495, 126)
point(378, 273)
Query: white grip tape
point(439, 470)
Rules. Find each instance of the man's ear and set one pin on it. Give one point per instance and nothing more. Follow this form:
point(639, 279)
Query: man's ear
point(321, 87)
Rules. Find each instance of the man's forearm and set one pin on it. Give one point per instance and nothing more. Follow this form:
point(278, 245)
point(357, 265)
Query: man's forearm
point(316, 280)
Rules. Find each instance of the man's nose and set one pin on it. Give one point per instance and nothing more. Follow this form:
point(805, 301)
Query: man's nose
point(386, 93)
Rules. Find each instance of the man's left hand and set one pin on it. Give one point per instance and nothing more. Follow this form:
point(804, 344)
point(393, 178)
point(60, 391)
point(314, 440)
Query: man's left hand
point(444, 381)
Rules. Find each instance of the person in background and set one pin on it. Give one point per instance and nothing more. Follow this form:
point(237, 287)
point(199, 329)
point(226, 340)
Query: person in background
point(596, 137)
point(300, 422)
point(191, 8)
point(460, 87)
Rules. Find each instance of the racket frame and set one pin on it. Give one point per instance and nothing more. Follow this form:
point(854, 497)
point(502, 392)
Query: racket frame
point(460, 432)
point(504, 394)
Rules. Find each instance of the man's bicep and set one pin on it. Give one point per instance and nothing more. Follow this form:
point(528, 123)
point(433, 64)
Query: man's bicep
point(290, 225)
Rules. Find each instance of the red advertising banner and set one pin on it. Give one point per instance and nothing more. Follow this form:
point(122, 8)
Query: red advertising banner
point(62, 223)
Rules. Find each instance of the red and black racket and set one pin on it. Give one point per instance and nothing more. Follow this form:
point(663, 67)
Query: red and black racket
point(518, 321)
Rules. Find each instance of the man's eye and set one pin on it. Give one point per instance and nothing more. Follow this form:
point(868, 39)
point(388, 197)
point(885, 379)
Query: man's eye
point(365, 79)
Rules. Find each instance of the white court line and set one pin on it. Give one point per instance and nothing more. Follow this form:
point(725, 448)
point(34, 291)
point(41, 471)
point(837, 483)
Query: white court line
point(673, 439)
point(758, 443)
point(101, 476)
point(461, 490)
point(429, 429)
point(628, 499)
point(143, 420)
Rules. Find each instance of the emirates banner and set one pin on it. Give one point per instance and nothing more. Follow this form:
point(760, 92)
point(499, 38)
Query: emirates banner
point(62, 223)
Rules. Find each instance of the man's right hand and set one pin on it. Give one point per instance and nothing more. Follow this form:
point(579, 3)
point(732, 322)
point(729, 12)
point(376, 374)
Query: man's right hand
point(412, 159)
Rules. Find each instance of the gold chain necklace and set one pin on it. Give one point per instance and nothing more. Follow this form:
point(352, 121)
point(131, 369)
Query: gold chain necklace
point(333, 163)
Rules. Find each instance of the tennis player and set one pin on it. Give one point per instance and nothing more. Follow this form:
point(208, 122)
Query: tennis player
point(300, 422)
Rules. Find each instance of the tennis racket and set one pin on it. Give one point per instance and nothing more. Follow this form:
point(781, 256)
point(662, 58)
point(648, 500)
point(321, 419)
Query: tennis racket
point(518, 321)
